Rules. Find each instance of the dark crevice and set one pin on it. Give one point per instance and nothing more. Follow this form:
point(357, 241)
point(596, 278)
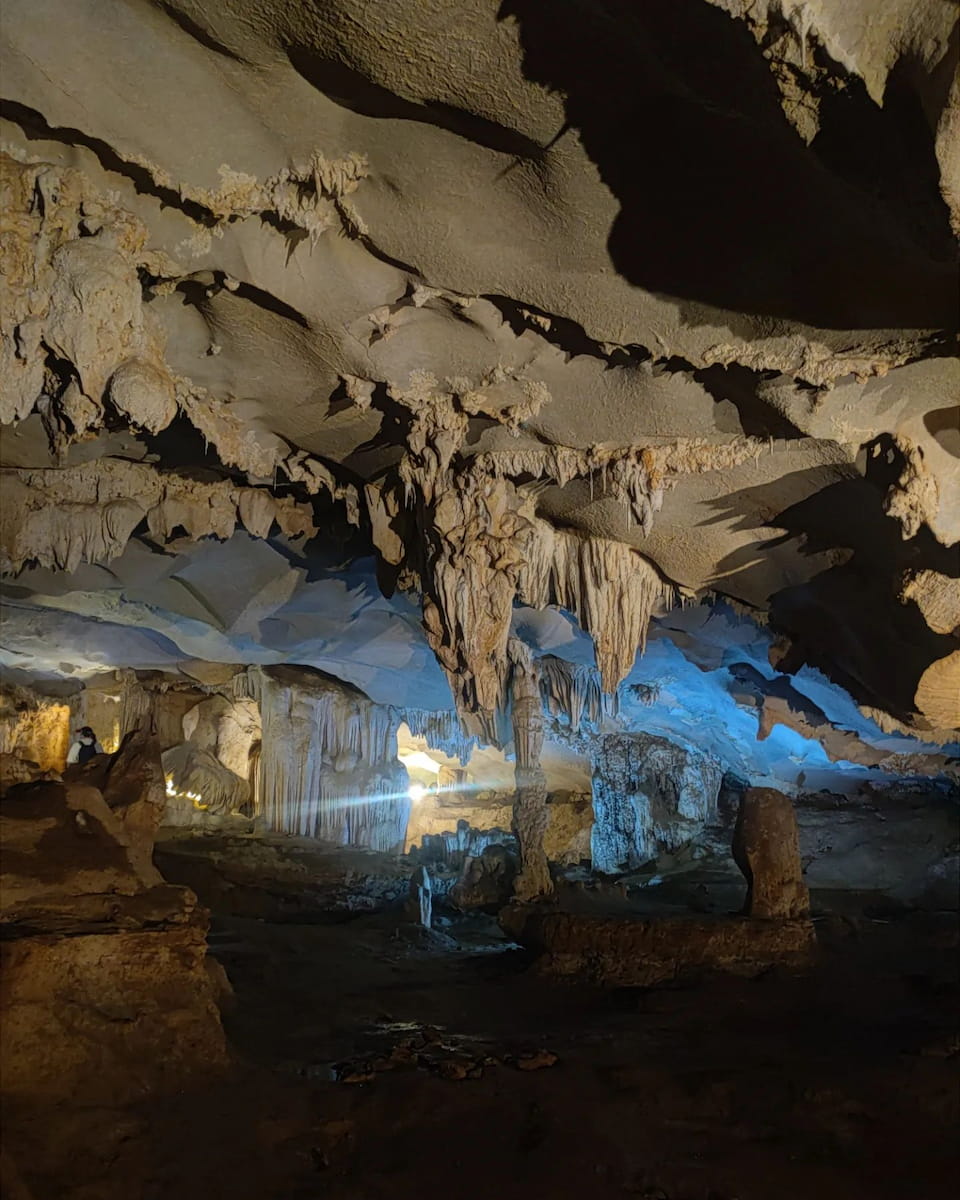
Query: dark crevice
point(36, 128)
point(181, 448)
point(567, 335)
point(369, 245)
point(354, 91)
point(738, 385)
point(271, 303)
point(199, 293)
point(889, 154)
point(199, 34)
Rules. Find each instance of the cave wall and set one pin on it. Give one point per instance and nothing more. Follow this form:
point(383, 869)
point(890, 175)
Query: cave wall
point(35, 728)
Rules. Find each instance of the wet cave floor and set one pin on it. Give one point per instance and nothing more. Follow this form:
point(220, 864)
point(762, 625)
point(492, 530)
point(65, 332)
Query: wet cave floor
point(377, 1061)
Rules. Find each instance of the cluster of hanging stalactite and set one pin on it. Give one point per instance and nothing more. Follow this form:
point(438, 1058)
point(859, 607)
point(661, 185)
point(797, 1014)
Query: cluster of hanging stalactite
point(329, 766)
point(573, 694)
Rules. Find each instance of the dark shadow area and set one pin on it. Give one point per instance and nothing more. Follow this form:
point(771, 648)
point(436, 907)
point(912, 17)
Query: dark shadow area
point(944, 425)
point(853, 628)
point(839, 618)
point(738, 385)
point(355, 91)
point(182, 449)
point(198, 33)
point(721, 201)
point(889, 154)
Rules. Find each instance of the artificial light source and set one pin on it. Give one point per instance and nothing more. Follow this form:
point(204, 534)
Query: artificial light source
point(416, 792)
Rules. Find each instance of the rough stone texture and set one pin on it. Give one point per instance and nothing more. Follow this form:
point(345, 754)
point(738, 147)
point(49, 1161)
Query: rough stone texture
point(649, 796)
point(98, 1019)
point(105, 996)
point(34, 728)
point(487, 881)
point(903, 847)
point(626, 951)
point(133, 787)
point(766, 848)
point(14, 769)
point(530, 802)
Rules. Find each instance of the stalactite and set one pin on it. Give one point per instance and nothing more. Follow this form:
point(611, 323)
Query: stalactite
point(573, 694)
point(530, 801)
point(136, 704)
point(465, 532)
point(442, 731)
point(87, 513)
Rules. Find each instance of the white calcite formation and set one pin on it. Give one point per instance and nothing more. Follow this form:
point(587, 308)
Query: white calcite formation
point(649, 797)
point(329, 766)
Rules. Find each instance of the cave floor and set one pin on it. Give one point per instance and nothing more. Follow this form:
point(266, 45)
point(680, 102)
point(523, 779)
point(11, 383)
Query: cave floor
point(374, 1060)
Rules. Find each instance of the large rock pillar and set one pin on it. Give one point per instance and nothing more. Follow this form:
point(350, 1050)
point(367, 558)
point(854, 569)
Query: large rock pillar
point(766, 848)
point(530, 798)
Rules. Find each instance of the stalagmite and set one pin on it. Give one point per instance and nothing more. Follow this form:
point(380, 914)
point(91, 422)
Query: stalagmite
point(420, 905)
point(766, 847)
point(530, 801)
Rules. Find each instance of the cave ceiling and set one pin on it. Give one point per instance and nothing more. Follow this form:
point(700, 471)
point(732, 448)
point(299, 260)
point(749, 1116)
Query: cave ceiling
point(357, 336)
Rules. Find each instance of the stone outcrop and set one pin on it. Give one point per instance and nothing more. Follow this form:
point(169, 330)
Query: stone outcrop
point(766, 848)
point(487, 880)
point(649, 796)
point(630, 951)
point(105, 994)
point(131, 782)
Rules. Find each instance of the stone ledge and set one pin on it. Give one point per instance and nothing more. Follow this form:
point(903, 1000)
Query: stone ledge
point(641, 952)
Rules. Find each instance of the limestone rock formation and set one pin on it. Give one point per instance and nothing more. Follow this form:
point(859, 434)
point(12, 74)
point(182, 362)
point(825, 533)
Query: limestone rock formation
point(624, 951)
point(649, 795)
point(530, 804)
point(420, 901)
point(766, 847)
point(487, 881)
point(105, 992)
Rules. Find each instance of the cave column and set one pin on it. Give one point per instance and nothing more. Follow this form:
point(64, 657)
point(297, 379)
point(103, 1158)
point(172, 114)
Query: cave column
point(530, 798)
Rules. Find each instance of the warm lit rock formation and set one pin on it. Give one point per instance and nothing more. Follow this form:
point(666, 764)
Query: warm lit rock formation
point(367, 382)
point(106, 997)
point(766, 847)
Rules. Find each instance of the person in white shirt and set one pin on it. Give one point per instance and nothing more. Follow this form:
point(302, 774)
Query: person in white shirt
point(85, 747)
